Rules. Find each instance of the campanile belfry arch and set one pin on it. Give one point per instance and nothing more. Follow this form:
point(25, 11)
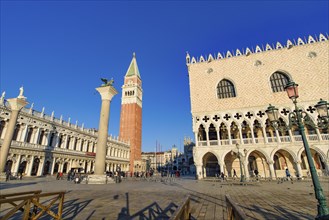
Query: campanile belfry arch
point(131, 112)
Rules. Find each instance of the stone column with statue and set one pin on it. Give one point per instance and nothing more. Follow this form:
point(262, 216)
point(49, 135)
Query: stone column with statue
point(16, 104)
point(107, 91)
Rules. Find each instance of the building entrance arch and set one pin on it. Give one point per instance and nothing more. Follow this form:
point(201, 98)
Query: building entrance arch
point(56, 167)
point(9, 165)
point(210, 165)
point(65, 167)
point(318, 161)
point(257, 161)
point(46, 168)
point(284, 160)
point(35, 167)
point(22, 167)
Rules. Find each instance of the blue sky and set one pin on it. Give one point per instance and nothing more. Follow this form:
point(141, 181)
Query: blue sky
point(59, 50)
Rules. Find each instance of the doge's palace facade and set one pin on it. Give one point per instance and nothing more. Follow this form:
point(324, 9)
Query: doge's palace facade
point(43, 144)
point(229, 95)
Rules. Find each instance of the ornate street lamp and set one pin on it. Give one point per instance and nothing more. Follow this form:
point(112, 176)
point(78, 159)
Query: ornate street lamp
point(323, 110)
point(299, 118)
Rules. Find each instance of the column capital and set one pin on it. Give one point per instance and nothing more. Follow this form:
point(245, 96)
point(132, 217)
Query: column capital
point(107, 92)
point(17, 103)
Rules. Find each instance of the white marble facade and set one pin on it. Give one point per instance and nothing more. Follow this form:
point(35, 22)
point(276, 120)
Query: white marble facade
point(43, 144)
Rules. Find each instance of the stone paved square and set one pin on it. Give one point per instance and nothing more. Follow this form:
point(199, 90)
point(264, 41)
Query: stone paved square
point(138, 199)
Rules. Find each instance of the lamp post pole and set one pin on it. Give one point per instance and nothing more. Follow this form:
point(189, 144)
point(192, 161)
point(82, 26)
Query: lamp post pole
point(298, 118)
point(322, 203)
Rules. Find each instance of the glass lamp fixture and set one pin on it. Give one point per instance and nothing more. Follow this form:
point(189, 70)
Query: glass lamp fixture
point(292, 90)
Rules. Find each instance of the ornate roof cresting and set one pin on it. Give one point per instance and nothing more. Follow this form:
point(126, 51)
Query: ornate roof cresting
point(191, 60)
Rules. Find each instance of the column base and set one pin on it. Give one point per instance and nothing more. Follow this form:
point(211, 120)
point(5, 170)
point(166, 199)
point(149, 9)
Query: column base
point(97, 179)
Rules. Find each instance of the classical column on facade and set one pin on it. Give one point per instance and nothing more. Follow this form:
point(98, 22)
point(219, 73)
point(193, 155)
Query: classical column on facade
point(65, 141)
point(207, 136)
point(41, 166)
point(272, 172)
point(30, 162)
point(53, 162)
point(299, 169)
point(17, 163)
point(24, 133)
point(218, 136)
point(290, 135)
point(264, 134)
point(277, 136)
point(240, 135)
point(37, 136)
point(16, 104)
point(318, 134)
point(199, 171)
point(229, 136)
point(252, 135)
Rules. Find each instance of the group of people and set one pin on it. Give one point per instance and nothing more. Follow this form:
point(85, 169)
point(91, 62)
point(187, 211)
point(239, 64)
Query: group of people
point(74, 176)
point(9, 174)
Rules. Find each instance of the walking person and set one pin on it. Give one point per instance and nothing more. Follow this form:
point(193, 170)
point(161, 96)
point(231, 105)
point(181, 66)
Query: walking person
point(234, 174)
point(256, 174)
point(288, 174)
point(222, 175)
point(8, 173)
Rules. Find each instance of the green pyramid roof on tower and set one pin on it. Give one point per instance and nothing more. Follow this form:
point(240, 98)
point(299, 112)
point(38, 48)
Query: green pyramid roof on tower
point(133, 68)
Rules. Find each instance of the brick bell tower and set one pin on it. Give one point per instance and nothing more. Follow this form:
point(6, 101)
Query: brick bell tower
point(131, 112)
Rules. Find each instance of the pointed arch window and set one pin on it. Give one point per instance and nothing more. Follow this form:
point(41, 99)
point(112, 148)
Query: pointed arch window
point(225, 89)
point(278, 81)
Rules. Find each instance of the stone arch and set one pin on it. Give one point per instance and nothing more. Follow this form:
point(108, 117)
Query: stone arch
point(65, 167)
point(235, 132)
point(232, 163)
point(257, 159)
point(202, 132)
point(212, 132)
point(210, 164)
point(46, 167)
point(320, 162)
point(35, 166)
point(284, 159)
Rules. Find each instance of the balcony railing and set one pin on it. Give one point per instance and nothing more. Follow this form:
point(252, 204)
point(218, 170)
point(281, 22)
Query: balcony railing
point(283, 139)
point(213, 143)
point(325, 137)
point(28, 145)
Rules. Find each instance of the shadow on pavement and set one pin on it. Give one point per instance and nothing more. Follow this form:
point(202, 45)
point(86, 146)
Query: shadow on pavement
point(284, 214)
point(16, 184)
point(71, 209)
point(150, 212)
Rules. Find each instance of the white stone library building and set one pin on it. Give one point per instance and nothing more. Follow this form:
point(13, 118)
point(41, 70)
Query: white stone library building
point(43, 144)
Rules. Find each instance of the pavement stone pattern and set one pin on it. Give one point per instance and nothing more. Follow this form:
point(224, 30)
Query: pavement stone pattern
point(140, 199)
